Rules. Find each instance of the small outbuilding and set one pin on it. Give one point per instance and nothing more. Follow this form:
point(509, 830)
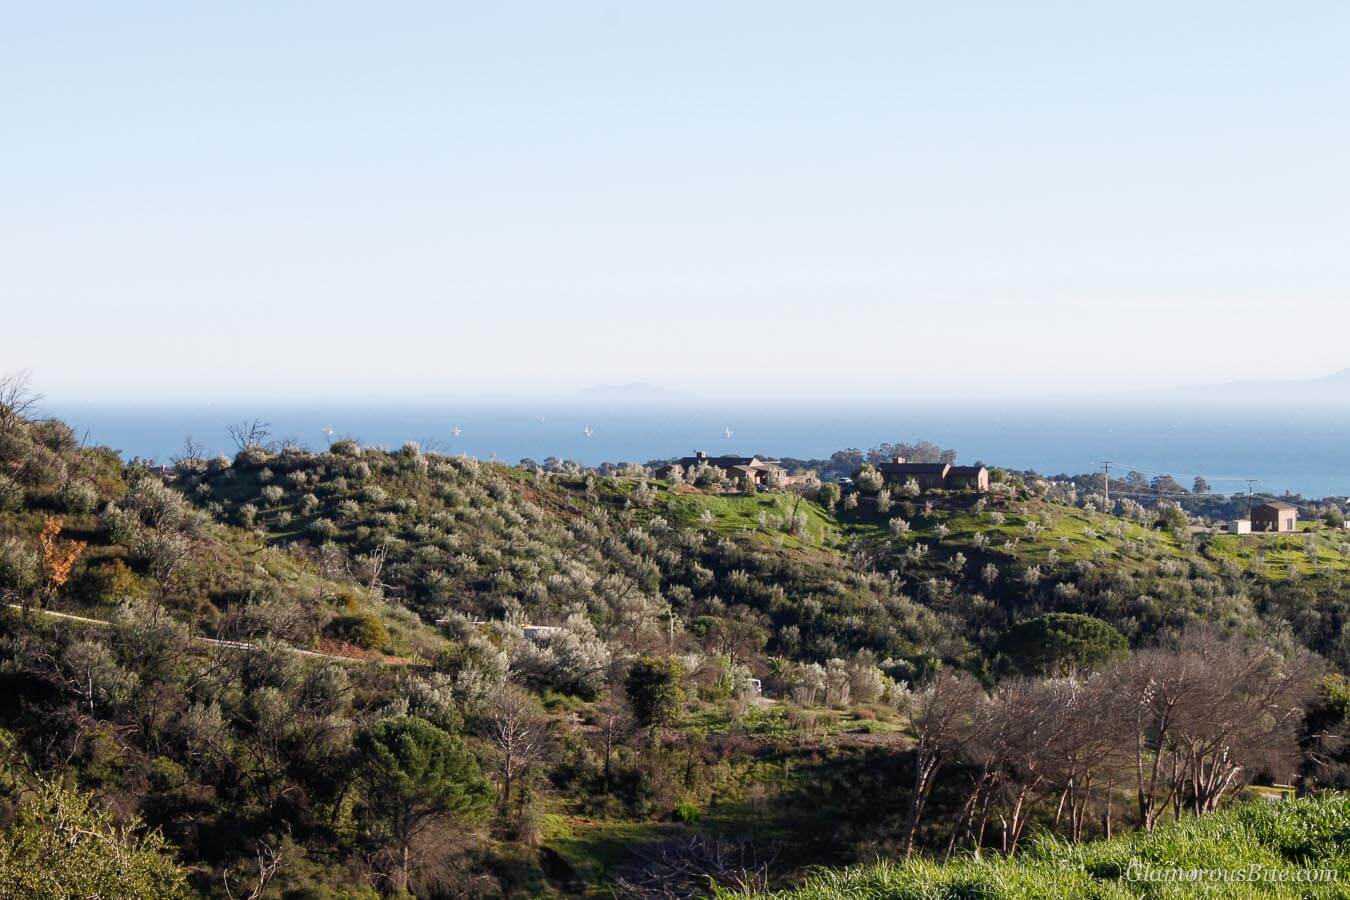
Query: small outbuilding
point(968, 478)
point(1275, 515)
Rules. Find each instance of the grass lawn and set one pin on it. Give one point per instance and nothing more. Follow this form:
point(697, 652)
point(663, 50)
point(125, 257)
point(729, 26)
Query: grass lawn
point(732, 514)
point(1294, 849)
point(1273, 556)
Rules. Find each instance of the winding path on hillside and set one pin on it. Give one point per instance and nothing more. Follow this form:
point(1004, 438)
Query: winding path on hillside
point(227, 645)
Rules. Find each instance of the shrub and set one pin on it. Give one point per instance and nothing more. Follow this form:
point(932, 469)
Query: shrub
point(324, 529)
point(869, 479)
point(704, 475)
point(272, 494)
point(111, 581)
point(364, 630)
point(866, 683)
point(251, 457)
point(18, 565)
point(11, 494)
point(432, 698)
point(573, 660)
point(122, 526)
point(78, 497)
point(345, 447)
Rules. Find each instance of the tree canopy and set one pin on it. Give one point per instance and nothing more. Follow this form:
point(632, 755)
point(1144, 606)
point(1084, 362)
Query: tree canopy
point(61, 846)
point(654, 690)
point(415, 774)
point(1056, 643)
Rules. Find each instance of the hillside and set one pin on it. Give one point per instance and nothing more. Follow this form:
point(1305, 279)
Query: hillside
point(637, 679)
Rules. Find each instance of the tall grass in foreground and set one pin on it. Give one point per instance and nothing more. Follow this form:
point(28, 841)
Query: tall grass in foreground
point(1299, 848)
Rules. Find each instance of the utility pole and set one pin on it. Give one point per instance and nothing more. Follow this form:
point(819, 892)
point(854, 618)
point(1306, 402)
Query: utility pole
point(1106, 466)
point(1251, 484)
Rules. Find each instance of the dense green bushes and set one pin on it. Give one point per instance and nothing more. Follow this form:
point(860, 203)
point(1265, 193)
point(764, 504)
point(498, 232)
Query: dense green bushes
point(63, 847)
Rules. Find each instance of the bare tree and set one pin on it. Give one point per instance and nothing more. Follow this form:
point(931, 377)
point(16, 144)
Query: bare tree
point(698, 866)
point(250, 434)
point(1246, 715)
point(615, 726)
point(1006, 746)
point(191, 454)
point(938, 717)
point(518, 731)
point(1208, 712)
point(1158, 687)
point(1012, 744)
point(1030, 723)
point(369, 567)
point(17, 397)
point(1089, 748)
point(269, 860)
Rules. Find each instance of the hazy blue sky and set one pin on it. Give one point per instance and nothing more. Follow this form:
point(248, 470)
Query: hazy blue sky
point(304, 200)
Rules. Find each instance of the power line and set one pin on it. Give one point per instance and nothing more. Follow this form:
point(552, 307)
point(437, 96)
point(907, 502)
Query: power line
point(1187, 495)
point(1251, 484)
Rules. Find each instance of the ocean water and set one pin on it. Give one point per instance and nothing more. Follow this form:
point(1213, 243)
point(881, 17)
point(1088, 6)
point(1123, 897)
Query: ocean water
point(1303, 451)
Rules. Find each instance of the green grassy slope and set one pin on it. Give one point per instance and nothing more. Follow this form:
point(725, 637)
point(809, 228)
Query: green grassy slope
point(1277, 843)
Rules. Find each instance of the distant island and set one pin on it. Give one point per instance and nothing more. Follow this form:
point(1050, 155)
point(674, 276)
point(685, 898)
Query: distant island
point(1327, 390)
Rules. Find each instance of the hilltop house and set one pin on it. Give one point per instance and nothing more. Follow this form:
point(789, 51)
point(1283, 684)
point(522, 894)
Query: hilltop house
point(935, 476)
point(1275, 515)
point(751, 468)
point(928, 476)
